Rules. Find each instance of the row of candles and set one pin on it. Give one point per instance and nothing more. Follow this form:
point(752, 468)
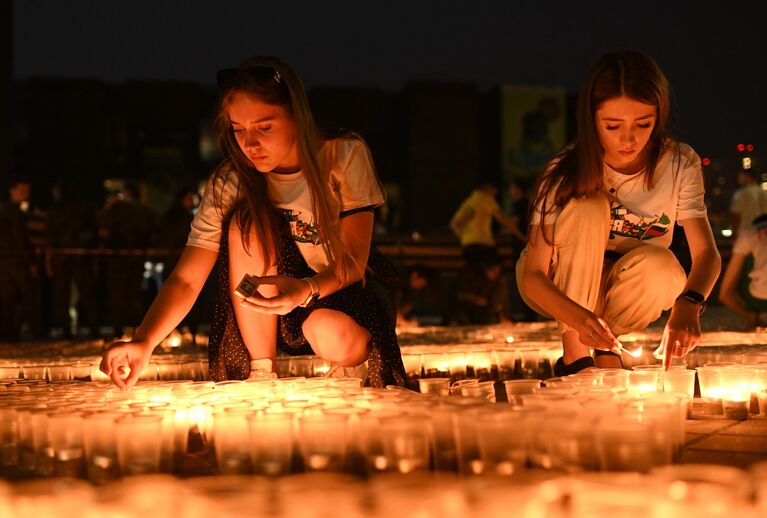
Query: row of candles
point(609, 419)
point(679, 491)
point(695, 490)
point(500, 361)
point(719, 380)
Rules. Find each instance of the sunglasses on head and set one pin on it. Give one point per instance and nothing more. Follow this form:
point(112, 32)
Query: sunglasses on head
point(230, 77)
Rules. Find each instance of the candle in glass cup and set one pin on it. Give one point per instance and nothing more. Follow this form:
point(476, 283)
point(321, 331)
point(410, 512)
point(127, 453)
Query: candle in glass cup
point(271, 443)
point(736, 391)
point(407, 442)
point(515, 388)
point(643, 380)
point(680, 381)
point(439, 386)
point(99, 438)
point(65, 435)
point(322, 441)
point(138, 444)
point(232, 441)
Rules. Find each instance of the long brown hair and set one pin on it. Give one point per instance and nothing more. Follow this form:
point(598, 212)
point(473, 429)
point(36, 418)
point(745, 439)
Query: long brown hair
point(578, 170)
point(253, 210)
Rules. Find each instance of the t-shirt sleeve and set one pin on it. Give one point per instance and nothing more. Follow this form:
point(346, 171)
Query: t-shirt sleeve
point(354, 176)
point(736, 205)
point(691, 187)
point(218, 198)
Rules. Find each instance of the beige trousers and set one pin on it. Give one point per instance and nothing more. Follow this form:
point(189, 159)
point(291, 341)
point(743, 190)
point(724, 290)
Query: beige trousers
point(628, 293)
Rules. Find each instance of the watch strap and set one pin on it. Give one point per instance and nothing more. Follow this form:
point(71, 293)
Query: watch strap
point(313, 294)
point(694, 297)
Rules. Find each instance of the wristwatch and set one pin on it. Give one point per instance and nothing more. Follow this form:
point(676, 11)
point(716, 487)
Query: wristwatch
point(695, 298)
point(314, 294)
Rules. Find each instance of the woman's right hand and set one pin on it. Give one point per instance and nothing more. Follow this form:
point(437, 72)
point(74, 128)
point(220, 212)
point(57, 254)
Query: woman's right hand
point(123, 358)
point(594, 332)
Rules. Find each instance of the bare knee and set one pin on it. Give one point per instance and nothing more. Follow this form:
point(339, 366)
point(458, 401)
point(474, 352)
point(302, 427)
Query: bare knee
point(336, 337)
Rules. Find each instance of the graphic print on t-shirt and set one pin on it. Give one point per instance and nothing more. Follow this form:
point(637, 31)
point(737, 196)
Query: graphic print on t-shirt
point(625, 223)
point(301, 231)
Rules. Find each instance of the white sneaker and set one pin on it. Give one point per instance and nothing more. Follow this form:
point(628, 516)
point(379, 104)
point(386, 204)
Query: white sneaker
point(261, 370)
point(358, 371)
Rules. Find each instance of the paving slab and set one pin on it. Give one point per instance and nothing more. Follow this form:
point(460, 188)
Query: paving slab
point(727, 458)
point(734, 443)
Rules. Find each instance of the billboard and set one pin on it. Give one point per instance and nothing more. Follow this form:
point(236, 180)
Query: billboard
point(533, 128)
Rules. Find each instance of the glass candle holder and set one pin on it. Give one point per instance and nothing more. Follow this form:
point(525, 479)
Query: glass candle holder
point(624, 445)
point(407, 442)
point(59, 372)
point(615, 378)
point(736, 391)
point(711, 389)
point(644, 380)
point(436, 365)
point(99, 437)
point(138, 444)
point(516, 388)
point(762, 398)
point(680, 381)
point(502, 440)
point(232, 441)
point(34, 372)
point(9, 372)
point(65, 433)
point(482, 390)
point(439, 386)
point(322, 441)
point(271, 443)
point(506, 359)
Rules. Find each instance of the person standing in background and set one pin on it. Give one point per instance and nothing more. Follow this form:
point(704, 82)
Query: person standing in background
point(744, 283)
point(518, 212)
point(473, 224)
point(70, 226)
point(748, 202)
point(17, 267)
point(126, 224)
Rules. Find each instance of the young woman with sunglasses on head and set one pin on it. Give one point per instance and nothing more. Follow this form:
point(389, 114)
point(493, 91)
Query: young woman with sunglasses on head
point(597, 259)
point(293, 207)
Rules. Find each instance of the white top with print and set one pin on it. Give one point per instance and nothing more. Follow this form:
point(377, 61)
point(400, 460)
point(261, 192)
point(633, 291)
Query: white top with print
point(641, 216)
point(352, 181)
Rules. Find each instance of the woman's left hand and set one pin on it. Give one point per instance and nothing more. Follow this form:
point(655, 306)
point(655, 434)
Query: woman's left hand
point(293, 292)
point(682, 332)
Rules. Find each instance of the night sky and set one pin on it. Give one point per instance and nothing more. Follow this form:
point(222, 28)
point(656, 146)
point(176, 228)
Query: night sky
point(714, 56)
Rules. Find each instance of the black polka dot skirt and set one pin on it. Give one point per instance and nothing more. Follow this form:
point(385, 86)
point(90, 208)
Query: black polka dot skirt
point(371, 305)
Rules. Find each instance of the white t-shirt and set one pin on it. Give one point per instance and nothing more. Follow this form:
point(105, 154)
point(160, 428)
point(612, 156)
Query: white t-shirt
point(749, 243)
point(640, 216)
point(748, 202)
point(352, 181)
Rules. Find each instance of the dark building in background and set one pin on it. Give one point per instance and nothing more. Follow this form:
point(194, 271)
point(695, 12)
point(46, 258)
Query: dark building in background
point(375, 116)
point(63, 130)
point(90, 131)
point(441, 153)
point(162, 129)
point(432, 143)
point(6, 91)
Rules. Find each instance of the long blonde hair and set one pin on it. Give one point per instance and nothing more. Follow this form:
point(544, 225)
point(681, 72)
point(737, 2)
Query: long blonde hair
point(253, 209)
